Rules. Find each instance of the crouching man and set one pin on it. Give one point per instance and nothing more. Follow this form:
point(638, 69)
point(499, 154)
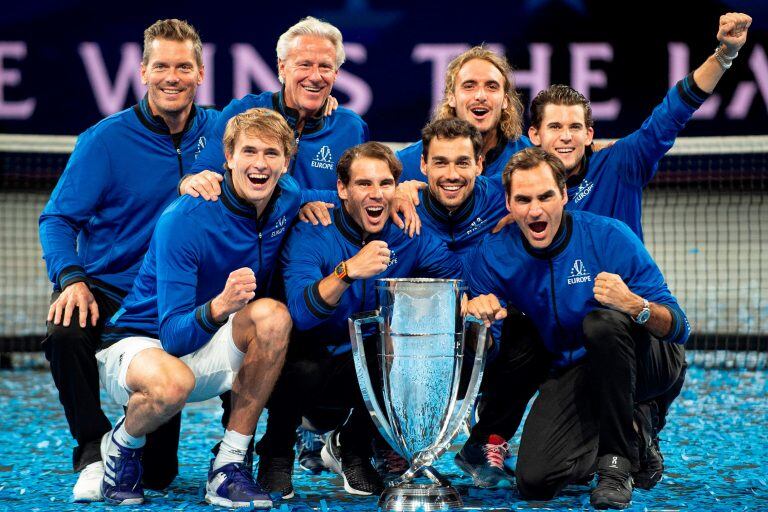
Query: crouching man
point(609, 333)
point(190, 328)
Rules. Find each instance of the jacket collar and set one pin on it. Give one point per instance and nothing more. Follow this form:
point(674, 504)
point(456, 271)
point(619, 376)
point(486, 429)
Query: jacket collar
point(352, 231)
point(442, 214)
point(311, 124)
point(495, 152)
point(559, 243)
point(241, 207)
point(157, 123)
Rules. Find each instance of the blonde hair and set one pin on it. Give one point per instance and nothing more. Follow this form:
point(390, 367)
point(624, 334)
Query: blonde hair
point(262, 123)
point(511, 123)
point(172, 30)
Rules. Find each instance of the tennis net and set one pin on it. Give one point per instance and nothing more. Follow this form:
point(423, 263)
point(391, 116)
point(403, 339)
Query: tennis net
point(705, 220)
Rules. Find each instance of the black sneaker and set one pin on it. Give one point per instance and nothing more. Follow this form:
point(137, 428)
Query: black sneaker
point(274, 475)
point(309, 445)
point(614, 483)
point(359, 476)
point(485, 462)
point(651, 459)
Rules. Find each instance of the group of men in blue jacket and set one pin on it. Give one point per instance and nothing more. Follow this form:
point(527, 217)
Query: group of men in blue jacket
point(170, 299)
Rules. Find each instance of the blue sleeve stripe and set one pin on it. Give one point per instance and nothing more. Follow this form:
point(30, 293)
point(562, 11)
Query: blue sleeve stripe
point(676, 332)
point(315, 303)
point(205, 318)
point(691, 93)
point(70, 275)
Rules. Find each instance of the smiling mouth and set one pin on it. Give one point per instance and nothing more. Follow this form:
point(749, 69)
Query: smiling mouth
point(479, 111)
point(451, 187)
point(374, 211)
point(564, 151)
point(312, 89)
point(258, 179)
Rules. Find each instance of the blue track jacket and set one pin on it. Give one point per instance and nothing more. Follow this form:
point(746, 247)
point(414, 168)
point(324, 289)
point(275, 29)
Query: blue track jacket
point(122, 174)
point(611, 180)
point(463, 228)
point(195, 246)
point(311, 254)
point(554, 287)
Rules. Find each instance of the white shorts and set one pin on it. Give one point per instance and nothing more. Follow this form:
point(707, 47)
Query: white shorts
point(214, 365)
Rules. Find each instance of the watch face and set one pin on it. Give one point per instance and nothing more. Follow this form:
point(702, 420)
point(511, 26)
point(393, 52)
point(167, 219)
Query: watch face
point(643, 316)
point(339, 270)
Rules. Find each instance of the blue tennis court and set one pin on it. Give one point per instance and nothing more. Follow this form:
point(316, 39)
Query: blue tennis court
point(715, 445)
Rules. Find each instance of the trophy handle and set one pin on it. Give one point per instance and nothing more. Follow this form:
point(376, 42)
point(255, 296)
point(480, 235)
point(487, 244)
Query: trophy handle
point(356, 322)
point(473, 389)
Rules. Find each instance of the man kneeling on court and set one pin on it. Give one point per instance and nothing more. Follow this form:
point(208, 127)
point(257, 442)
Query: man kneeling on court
point(190, 328)
point(609, 332)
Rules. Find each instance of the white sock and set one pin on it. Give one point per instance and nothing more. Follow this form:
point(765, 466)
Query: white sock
point(232, 449)
point(125, 439)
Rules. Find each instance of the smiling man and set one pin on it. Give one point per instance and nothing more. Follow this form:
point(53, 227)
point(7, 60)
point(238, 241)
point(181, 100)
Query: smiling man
point(478, 90)
point(96, 228)
point(309, 55)
point(329, 274)
point(611, 181)
point(609, 332)
point(190, 329)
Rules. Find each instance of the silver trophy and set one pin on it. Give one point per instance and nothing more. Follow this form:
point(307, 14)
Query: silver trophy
point(420, 343)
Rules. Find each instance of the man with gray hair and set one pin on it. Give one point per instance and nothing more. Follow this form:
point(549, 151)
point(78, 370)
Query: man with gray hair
point(309, 55)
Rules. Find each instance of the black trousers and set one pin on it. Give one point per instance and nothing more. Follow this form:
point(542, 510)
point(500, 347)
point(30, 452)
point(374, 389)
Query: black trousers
point(582, 412)
point(70, 351)
point(316, 383)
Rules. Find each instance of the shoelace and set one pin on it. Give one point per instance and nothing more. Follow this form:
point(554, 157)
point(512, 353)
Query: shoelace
point(245, 480)
point(495, 454)
point(393, 462)
point(126, 465)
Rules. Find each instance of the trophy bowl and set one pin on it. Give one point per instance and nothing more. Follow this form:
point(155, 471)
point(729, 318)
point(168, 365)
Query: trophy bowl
point(420, 338)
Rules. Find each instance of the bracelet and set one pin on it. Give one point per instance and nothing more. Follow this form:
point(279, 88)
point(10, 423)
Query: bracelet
point(723, 58)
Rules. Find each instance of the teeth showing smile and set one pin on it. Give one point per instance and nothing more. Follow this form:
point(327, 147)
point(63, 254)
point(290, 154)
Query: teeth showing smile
point(479, 111)
point(451, 188)
point(310, 88)
point(563, 151)
point(257, 178)
point(374, 211)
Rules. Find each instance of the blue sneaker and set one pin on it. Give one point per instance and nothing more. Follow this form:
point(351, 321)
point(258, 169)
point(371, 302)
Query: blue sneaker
point(233, 486)
point(122, 471)
point(309, 445)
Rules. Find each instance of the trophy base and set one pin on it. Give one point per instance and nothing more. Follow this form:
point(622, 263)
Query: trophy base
point(412, 497)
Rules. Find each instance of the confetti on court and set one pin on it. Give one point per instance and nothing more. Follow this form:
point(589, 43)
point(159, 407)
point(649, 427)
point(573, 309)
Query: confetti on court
point(716, 449)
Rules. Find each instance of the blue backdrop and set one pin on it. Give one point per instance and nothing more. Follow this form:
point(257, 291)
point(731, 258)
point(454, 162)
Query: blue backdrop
point(66, 64)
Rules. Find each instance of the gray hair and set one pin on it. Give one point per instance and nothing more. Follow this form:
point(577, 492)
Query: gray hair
point(311, 26)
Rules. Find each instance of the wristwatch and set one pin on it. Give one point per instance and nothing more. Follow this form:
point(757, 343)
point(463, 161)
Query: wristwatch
point(644, 313)
point(341, 272)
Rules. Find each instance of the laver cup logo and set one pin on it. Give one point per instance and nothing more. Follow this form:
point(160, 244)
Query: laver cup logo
point(324, 159)
point(579, 273)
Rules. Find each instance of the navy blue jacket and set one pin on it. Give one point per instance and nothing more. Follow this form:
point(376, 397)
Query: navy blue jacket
point(311, 254)
point(611, 180)
point(493, 162)
point(195, 246)
point(554, 287)
point(463, 228)
point(320, 144)
point(122, 174)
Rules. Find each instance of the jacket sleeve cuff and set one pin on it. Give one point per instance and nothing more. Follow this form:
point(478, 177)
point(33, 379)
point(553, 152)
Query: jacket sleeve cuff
point(71, 275)
point(204, 318)
point(678, 333)
point(691, 93)
point(315, 303)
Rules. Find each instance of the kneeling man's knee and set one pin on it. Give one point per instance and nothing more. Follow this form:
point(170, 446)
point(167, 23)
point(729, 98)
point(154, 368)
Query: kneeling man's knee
point(272, 322)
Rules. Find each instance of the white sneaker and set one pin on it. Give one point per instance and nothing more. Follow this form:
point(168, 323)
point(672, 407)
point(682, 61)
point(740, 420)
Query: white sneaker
point(88, 486)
